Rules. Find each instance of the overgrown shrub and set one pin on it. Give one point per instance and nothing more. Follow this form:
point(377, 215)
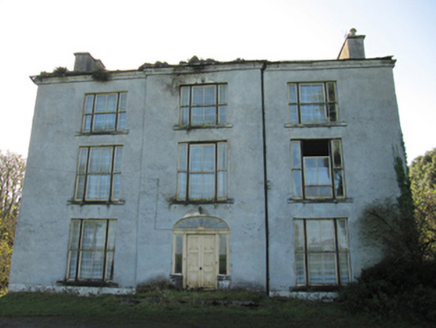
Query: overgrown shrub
point(60, 71)
point(403, 284)
point(390, 288)
point(101, 75)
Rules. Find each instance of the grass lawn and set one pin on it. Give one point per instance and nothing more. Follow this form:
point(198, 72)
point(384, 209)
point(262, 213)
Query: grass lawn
point(169, 308)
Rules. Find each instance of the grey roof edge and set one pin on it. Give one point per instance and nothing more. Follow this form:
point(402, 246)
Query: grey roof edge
point(75, 76)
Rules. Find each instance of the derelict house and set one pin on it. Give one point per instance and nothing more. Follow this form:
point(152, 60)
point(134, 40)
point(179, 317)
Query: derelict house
point(207, 174)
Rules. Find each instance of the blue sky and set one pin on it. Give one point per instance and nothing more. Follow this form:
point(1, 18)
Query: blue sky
point(41, 35)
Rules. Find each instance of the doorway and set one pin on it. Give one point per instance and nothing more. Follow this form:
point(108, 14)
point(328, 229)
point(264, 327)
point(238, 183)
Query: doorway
point(201, 262)
point(200, 252)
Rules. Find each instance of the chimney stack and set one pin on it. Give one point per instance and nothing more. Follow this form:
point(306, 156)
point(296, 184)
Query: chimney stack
point(86, 63)
point(353, 47)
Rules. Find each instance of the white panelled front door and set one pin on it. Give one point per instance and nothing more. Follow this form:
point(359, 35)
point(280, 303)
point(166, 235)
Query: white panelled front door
point(201, 262)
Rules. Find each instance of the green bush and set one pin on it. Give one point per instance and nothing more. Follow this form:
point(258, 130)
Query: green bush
point(101, 75)
point(396, 289)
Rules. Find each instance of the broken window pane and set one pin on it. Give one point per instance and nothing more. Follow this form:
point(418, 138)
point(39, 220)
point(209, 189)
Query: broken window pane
point(331, 92)
point(339, 184)
point(321, 161)
point(336, 151)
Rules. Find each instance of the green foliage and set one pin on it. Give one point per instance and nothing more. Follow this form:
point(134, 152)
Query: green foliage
point(423, 184)
point(405, 200)
point(403, 284)
point(401, 289)
point(391, 225)
point(60, 71)
point(101, 75)
point(12, 168)
point(7, 234)
point(423, 173)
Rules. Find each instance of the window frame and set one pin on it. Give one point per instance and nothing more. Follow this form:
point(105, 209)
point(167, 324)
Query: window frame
point(186, 108)
point(342, 273)
point(83, 174)
point(331, 111)
point(108, 251)
point(120, 113)
point(335, 171)
point(183, 190)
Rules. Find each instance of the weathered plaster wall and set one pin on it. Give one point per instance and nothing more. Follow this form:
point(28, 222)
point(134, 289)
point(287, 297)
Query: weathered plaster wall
point(41, 248)
point(244, 214)
point(369, 128)
point(149, 178)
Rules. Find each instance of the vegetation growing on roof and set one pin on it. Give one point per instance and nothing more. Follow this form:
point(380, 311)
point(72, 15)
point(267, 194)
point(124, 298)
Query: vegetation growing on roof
point(60, 71)
point(101, 75)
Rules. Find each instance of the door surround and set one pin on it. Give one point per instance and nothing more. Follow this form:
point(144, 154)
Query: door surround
point(215, 255)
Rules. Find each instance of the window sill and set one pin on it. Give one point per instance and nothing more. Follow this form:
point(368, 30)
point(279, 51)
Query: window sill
point(96, 202)
point(195, 127)
point(103, 133)
point(315, 125)
point(200, 202)
point(331, 201)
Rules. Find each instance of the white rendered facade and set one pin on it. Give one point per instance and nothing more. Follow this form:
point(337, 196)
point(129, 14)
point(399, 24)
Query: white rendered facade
point(211, 175)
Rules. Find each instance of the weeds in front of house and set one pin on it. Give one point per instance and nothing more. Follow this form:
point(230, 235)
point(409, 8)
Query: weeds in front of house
point(238, 308)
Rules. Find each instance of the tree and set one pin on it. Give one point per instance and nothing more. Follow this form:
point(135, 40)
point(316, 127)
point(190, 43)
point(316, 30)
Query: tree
point(391, 224)
point(423, 184)
point(12, 168)
point(402, 283)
